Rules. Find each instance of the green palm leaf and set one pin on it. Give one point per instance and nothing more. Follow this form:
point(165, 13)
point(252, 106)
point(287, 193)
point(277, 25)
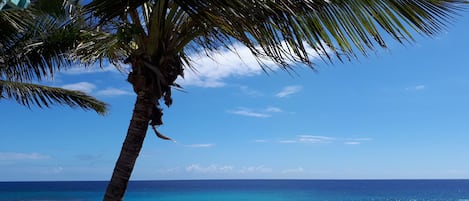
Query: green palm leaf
point(35, 43)
point(43, 96)
point(339, 27)
point(342, 27)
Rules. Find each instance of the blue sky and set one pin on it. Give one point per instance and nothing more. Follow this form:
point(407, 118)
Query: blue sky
point(400, 113)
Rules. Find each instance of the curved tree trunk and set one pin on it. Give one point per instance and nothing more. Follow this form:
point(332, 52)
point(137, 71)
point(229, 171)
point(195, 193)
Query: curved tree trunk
point(131, 147)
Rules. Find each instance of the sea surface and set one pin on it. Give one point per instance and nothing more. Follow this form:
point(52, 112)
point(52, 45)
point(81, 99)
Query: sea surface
point(245, 190)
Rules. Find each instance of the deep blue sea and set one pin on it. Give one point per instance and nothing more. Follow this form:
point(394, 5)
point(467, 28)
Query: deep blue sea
point(245, 190)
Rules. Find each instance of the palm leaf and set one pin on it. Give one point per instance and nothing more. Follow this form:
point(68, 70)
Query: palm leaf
point(29, 94)
point(34, 45)
point(40, 44)
point(283, 30)
point(341, 27)
point(38, 56)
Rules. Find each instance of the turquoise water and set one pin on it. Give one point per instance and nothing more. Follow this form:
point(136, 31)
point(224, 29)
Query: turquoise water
point(246, 190)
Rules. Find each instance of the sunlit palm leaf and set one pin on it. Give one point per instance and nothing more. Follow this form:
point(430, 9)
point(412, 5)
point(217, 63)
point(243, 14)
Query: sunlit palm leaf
point(42, 96)
point(343, 27)
point(99, 46)
point(283, 29)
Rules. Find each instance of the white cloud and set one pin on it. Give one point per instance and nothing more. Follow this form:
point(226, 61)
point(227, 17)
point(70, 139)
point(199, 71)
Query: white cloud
point(170, 170)
point(211, 71)
point(224, 169)
point(249, 113)
point(294, 170)
point(13, 156)
point(273, 109)
point(80, 69)
point(360, 139)
point(53, 170)
point(263, 113)
point(288, 141)
point(356, 141)
point(416, 88)
point(352, 143)
point(112, 92)
point(255, 169)
point(90, 88)
point(80, 86)
point(260, 141)
point(200, 145)
point(315, 139)
point(224, 64)
point(309, 139)
point(250, 92)
point(288, 90)
point(196, 168)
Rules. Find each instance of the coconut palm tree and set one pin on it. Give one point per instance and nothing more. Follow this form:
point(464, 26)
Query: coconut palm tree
point(33, 46)
point(156, 38)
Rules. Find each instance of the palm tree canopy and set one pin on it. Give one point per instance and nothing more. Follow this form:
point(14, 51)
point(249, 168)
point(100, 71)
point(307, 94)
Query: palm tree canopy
point(337, 27)
point(34, 44)
point(165, 31)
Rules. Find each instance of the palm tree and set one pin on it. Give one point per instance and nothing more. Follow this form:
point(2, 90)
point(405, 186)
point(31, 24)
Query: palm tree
point(156, 37)
point(31, 40)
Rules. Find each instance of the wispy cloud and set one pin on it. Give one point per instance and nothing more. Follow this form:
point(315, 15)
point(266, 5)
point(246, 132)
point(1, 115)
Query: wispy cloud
point(200, 145)
point(416, 88)
point(220, 169)
point(288, 141)
point(80, 69)
point(89, 157)
point(112, 92)
point(273, 109)
point(196, 168)
point(288, 90)
point(356, 141)
point(294, 170)
point(353, 143)
point(263, 113)
point(14, 156)
point(250, 92)
point(310, 139)
point(315, 139)
point(80, 86)
point(249, 113)
point(90, 88)
point(256, 169)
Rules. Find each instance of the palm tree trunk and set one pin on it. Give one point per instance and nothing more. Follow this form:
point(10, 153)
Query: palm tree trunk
point(131, 147)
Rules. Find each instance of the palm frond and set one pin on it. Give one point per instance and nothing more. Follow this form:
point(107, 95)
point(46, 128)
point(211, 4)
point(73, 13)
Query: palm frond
point(29, 94)
point(282, 28)
point(99, 46)
point(12, 22)
point(41, 44)
point(106, 10)
point(39, 55)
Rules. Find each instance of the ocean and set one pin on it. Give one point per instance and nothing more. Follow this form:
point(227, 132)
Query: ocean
point(245, 190)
